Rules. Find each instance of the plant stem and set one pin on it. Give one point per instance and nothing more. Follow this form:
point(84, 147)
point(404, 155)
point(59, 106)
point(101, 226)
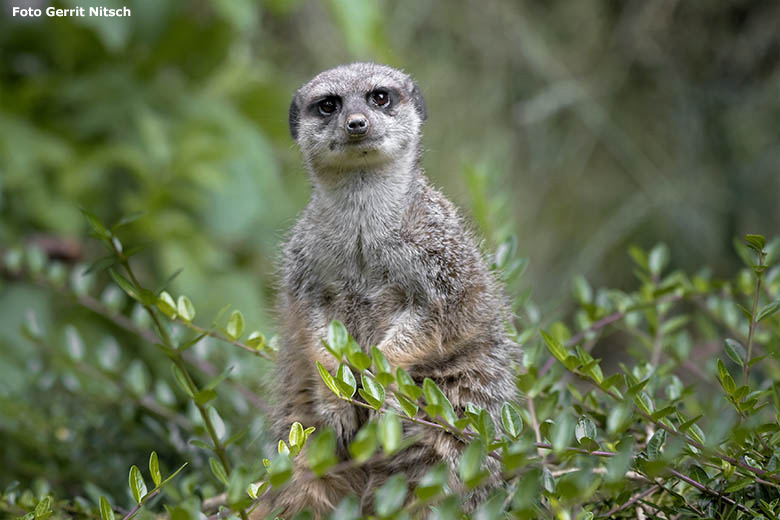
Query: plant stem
point(753, 322)
point(165, 336)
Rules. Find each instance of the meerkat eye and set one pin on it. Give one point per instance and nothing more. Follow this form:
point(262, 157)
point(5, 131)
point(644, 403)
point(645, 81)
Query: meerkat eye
point(328, 106)
point(380, 98)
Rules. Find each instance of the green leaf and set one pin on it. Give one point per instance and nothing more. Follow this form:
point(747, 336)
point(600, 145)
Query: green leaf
point(470, 465)
point(390, 433)
point(511, 420)
point(585, 429)
point(185, 308)
point(235, 325)
point(256, 489)
point(204, 396)
point(280, 470)
point(365, 442)
point(561, 433)
point(740, 484)
point(735, 351)
point(137, 484)
point(655, 444)
point(438, 403)
point(124, 284)
point(218, 470)
point(173, 474)
point(182, 381)
point(358, 359)
point(128, 219)
point(755, 242)
point(768, 310)
point(256, 340)
point(555, 347)
point(406, 385)
point(390, 496)
point(96, 224)
point(297, 436)
point(106, 513)
point(321, 452)
point(154, 469)
point(410, 408)
point(43, 508)
point(166, 304)
point(373, 392)
point(381, 366)
point(657, 259)
point(486, 428)
point(282, 448)
point(328, 379)
point(725, 378)
point(433, 482)
point(337, 336)
point(582, 290)
point(217, 380)
point(345, 380)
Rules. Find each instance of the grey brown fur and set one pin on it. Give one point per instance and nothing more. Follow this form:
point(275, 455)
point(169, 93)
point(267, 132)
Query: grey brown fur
point(381, 250)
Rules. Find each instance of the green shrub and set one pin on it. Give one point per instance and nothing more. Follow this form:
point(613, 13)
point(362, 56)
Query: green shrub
point(680, 419)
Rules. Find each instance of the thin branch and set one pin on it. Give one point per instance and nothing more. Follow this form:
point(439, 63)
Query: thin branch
point(633, 500)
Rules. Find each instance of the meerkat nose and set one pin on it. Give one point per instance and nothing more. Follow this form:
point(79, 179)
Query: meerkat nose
point(356, 125)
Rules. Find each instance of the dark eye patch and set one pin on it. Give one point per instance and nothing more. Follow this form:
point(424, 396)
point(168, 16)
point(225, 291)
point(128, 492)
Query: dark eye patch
point(381, 97)
point(326, 106)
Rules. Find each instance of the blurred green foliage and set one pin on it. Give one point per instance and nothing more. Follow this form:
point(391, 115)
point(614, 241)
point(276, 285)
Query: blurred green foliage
point(580, 127)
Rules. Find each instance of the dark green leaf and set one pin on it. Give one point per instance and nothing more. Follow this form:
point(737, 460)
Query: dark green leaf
point(768, 310)
point(735, 351)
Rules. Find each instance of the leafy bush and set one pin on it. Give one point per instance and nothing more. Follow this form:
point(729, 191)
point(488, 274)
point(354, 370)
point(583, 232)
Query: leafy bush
point(681, 420)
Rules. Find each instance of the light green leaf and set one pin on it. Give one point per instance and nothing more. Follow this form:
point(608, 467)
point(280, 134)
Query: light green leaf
point(235, 325)
point(106, 513)
point(185, 308)
point(166, 304)
point(137, 484)
point(154, 469)
point(390, 433)
point(365, 442)
point(390, 496)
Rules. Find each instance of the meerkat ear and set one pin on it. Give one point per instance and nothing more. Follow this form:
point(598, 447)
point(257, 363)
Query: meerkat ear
point(419, 102)
point(294, 118)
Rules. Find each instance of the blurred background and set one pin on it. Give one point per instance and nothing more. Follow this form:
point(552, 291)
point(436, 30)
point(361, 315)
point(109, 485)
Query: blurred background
point(579, 127)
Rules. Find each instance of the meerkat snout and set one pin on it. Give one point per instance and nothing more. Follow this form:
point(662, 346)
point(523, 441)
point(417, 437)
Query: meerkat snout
point(356, 125)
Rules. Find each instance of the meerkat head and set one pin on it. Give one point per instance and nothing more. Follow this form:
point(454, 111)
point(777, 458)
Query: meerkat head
point(357, 116)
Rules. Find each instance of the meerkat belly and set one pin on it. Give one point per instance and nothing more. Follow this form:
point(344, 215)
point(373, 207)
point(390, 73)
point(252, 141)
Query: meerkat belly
point(366, 294)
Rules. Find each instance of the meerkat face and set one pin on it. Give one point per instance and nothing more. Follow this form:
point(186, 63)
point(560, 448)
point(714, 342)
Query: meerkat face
point(356, 116)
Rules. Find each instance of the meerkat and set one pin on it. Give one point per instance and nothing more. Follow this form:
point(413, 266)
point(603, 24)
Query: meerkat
point(388, 255)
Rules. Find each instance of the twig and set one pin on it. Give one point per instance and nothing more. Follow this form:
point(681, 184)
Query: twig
point(633, 500)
